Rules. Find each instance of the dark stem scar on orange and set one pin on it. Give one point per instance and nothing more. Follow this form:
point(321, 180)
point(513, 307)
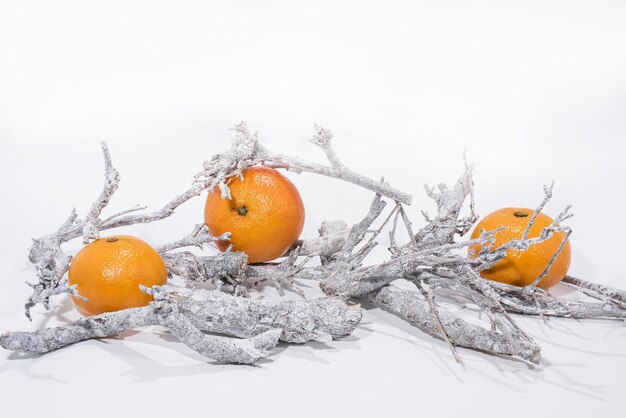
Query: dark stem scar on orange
point(242, 210)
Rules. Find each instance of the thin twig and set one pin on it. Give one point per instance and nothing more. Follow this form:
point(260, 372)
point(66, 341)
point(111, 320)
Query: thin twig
point(433, 310)
point(552, 260)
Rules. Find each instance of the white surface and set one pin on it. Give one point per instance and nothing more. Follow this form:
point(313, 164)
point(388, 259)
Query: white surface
point(534, 90)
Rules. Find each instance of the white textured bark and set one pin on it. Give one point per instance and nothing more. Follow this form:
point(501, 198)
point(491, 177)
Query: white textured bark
point(429, 259)
point(409, 306)
point(187, 312)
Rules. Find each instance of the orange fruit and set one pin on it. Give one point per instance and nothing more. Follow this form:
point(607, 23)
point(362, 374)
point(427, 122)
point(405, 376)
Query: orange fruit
point(521, 268)
point(108, 272)
point(265, 215)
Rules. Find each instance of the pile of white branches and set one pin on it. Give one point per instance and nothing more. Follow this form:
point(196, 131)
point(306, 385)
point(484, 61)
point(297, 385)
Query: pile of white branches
point(430, 262)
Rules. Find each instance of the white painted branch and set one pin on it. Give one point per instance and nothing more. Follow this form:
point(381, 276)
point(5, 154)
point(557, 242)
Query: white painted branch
point(446, 224)
point(197, 238)
point(610, 292)
point(332, 238)
point(220, 269)
point(428, 260)
point(537, 303)
point(245, 351)
point(51, 263)
point(409, 306)
point(186, 313)
point(301, 320)
point(274, 159)
point(246, 151)
point(111, 183)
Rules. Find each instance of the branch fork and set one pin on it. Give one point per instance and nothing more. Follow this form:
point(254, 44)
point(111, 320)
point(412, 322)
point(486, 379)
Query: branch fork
point(252, 326)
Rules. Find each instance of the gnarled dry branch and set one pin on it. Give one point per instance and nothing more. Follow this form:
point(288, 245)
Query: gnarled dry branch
point(433, 259)
point(187, 312)
point(414, 309)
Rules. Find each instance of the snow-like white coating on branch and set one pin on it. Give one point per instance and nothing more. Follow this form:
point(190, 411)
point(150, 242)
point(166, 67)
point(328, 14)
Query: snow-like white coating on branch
point(197, 238)
point(414, 309)
point(186, 313)
point(430, 260)
point(52, 262)
point(246, 151)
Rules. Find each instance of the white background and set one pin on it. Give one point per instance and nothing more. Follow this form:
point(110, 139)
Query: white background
point(534, 90)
